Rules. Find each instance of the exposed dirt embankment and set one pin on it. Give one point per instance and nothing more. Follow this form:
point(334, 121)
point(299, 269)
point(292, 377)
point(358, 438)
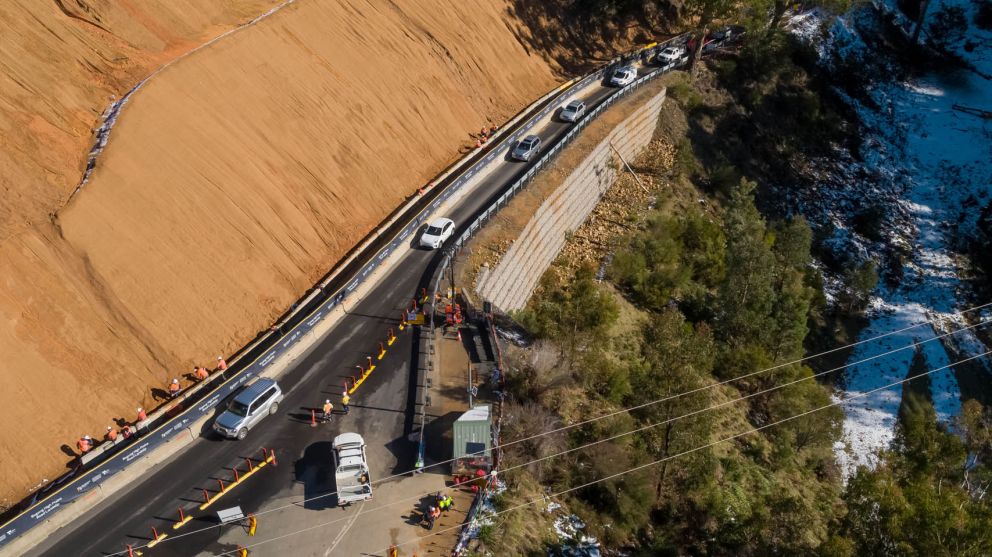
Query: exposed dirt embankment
point(231, 182)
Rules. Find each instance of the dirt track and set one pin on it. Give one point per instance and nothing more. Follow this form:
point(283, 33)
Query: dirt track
point(231, 182)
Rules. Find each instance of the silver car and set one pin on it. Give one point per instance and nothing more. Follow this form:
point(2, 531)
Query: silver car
point(254, 402)
point(527, 148)
point(572, 111)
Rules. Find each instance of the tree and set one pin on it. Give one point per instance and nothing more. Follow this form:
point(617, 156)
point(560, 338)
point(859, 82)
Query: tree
point(701, 13)
point(747, 295)
point(915, 502)
point(572, 316)
point(677, 357)
point(861, 281)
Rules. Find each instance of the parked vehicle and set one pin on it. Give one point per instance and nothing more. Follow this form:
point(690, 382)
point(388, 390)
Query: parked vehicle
point(351, 469)
point(438, 231)
point(527, 148)
point(671, 54)
point(724, 36)
point(256, 401)
point(623, 76)
point(572, 111)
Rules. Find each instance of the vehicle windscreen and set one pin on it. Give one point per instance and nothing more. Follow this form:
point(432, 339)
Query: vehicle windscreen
point(573, 107)
point(433, 230)
point(238, 408)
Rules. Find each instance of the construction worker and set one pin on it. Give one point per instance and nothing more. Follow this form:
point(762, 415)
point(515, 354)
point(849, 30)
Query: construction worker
point(221, 364)
point(328, 408)
point(141, 415)
point(111, 434)
point(345, 399)
point(201, 373)
point(84, 444)
point(174, 388)
point(432, 514)
point(483, 132)
point(126, 432)
point(493, 129)
point(445, 503)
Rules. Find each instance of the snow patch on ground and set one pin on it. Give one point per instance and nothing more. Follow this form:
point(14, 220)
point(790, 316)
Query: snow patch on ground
point(573, 543)
point(936, 162)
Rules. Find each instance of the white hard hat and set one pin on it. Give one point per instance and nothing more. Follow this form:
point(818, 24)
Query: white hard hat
point(109, 428)
point(175, 380)
point(219, 358)
point(86, 436)
point(328, 401)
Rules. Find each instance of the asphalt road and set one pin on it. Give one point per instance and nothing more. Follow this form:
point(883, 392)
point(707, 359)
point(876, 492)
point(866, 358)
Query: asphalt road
point(383, 411)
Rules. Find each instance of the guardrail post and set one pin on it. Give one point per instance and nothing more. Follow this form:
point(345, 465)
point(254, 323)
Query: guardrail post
point(250, 466)
point(382, 351)
point(221, 482)
point(206, 496)
point(237, 477)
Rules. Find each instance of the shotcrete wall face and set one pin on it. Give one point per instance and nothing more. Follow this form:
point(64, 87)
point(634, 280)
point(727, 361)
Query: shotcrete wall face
point(509, 285)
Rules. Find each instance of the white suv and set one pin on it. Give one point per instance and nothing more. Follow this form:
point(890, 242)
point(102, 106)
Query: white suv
point(623, 76)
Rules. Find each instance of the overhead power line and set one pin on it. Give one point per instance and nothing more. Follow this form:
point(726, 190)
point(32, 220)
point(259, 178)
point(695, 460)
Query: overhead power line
point(672, 457)
point(637, 407)
point(656, 424)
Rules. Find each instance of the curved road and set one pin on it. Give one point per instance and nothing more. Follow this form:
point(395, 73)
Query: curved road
point(383, 411)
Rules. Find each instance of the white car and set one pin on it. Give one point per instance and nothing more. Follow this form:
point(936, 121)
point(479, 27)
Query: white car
point(437, 232)
point(670, 54)
point(623, 76)
point(572, 111)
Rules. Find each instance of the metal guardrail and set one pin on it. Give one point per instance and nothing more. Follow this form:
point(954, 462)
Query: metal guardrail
point(311, 311)
point(495, 207)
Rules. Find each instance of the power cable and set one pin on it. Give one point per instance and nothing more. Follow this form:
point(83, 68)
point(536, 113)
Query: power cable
point(671, 457)
point(644, 405)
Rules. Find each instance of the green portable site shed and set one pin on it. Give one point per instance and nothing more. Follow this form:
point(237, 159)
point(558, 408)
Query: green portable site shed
point(473, 441)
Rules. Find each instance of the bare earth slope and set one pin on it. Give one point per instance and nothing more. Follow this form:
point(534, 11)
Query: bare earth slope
point(231, 182)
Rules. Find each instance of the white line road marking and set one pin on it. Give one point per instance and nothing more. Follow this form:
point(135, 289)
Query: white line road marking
point(344, 530)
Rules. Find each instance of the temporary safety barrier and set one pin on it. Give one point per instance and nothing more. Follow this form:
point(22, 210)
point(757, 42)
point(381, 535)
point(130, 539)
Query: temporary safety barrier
point(310, 312)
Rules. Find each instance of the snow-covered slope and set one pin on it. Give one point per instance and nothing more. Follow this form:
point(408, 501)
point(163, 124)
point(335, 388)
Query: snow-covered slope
point(934, 162)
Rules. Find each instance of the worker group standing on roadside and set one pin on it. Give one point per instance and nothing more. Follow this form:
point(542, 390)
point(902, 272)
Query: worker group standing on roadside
point(86, 443)
point(484, 135)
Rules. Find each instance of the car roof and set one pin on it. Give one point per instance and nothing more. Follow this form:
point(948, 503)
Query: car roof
point(251, 392)
point(346, 438)
point(530, 139)
point(439, 222)
point(574, 104)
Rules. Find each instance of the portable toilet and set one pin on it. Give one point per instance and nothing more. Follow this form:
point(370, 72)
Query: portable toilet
point(472, 434)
